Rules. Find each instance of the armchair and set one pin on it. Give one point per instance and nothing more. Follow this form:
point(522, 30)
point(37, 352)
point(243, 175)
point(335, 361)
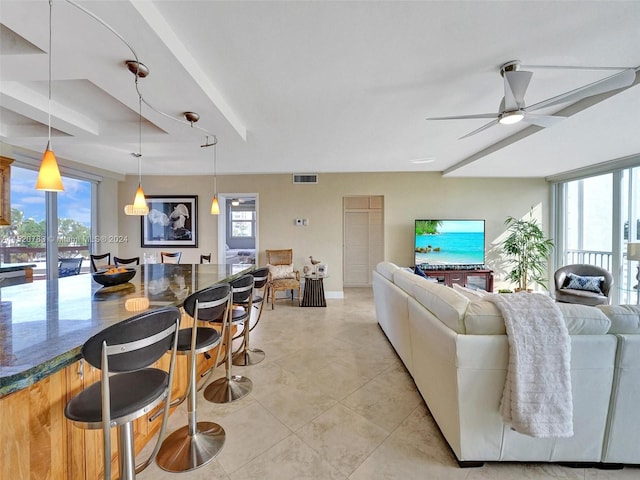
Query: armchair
point(282, 275)
point(586, 294)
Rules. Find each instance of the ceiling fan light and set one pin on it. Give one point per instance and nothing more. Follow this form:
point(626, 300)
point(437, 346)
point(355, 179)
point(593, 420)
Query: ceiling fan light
point(509, 118)
point(49, 178)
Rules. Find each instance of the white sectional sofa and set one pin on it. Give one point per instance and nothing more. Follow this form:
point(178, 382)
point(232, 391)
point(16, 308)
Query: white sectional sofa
point(456, 350)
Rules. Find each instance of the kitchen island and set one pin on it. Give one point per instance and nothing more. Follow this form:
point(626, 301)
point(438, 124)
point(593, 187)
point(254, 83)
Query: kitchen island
point(43, 326)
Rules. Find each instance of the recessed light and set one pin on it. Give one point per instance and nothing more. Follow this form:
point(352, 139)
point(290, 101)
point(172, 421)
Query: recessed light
point(420, 161)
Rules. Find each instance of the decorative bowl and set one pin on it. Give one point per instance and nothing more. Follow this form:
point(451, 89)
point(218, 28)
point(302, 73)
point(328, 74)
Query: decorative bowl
point(103, 277)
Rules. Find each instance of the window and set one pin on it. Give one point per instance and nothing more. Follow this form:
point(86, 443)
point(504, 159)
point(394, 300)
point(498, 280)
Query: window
point(597, 216)
point(24, 241)
point(242, 223)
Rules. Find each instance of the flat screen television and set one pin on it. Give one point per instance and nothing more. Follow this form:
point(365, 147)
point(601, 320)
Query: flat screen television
point(441, 243)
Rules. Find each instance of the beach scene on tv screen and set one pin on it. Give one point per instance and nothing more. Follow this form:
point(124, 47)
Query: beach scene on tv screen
point(449, 242)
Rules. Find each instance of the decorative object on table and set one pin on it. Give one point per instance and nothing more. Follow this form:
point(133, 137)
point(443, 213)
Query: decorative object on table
point(171, 222)
point(315, 263)
point(633, 254)
point(306, 269)
point(527, 250)
point(321, 269)
point(114, 276)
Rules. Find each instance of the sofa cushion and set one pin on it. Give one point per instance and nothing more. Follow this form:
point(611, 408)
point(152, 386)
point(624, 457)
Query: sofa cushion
point(484, 318)
point(406, 279)
point(624, 318)
point(444, 302)
point(471, 294)
point(387, 269)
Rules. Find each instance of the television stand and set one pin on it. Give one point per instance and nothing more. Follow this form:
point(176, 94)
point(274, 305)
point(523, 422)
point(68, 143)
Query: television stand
point(479, 278)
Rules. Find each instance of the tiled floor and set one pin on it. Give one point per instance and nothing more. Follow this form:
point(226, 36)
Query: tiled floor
point(332, 401)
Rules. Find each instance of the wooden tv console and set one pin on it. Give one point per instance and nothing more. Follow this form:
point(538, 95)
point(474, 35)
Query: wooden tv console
point(474, 278)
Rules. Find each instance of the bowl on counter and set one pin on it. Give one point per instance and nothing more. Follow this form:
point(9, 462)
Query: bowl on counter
point(111, 277)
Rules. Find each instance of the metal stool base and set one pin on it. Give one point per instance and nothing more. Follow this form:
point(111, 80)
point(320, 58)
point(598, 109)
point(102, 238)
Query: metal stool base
point(251, 356)
point(181, 452)
point(225, 390)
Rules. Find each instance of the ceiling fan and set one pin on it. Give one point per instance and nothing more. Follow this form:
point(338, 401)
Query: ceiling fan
point(513, 109)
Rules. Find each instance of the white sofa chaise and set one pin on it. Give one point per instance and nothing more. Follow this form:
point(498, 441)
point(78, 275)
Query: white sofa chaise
point(457, 353)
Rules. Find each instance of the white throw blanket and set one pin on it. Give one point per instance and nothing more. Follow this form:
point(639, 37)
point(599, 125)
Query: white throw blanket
point(537, 398)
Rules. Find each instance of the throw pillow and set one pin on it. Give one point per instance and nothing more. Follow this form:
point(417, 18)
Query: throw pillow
point(590, 284)
point(281, 271)
point(418, 271)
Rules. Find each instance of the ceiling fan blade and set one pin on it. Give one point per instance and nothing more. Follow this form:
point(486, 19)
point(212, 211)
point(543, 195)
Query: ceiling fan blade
point(465, 117)
point(612, 82)
point(478, 130)
point(515, 86)
point(542, 120)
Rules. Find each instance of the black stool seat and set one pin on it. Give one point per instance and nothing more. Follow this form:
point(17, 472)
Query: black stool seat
point(206, 339)
point(129, 387)
point(132, 393)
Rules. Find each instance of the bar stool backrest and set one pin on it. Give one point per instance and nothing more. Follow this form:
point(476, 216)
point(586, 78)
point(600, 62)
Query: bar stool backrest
point(126, 261)
point(134, 343)
point(206, 258)
point(260, 277)
point(96, 265)
point(167, 257)
point(211, 302)
point(242, 288)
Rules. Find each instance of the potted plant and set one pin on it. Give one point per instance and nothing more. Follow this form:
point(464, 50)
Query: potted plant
point(528, 250)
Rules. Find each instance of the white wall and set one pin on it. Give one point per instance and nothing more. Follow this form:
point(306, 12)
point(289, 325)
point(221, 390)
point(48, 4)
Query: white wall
point(407, 196)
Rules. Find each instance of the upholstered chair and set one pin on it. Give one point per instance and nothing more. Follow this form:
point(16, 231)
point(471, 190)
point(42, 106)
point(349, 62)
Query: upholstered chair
point(282, 274)
point(583, 284)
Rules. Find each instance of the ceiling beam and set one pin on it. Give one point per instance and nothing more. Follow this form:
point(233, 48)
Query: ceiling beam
point(159, 25)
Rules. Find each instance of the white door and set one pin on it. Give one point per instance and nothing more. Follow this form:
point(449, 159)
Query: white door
point(363, 238)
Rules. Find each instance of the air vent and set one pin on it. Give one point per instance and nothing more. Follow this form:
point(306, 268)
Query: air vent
point(305, 178)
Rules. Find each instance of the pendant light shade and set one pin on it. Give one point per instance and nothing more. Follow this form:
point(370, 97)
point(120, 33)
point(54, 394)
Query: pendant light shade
point(215, 207)
point(49, 178)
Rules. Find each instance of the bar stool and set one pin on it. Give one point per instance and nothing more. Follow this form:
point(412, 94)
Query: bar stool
point(128, 388)
point(204, 258)
point(197, 443)
point(168, 257)
point(232, 387)
point(95, 266)
point(126, 261)
point(247, 355)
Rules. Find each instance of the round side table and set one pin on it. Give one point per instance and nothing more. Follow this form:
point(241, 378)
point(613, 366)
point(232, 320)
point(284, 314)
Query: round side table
point(313, 295)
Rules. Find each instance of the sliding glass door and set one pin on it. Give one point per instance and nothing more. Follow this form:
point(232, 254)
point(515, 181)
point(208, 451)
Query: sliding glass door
point(597, 216)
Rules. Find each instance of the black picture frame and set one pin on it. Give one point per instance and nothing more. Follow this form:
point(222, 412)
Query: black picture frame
point(172, 221)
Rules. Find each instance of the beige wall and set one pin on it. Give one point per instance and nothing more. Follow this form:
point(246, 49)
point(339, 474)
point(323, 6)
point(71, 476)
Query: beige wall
point(407, 196)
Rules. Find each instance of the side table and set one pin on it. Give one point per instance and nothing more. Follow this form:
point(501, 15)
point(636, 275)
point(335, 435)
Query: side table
point(313, 295)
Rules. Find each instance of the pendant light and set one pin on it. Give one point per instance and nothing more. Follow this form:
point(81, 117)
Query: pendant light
point(49, 178)
point(215, 207)
point(139, 206)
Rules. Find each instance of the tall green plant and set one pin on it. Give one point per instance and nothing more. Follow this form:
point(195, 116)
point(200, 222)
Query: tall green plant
point(528, 249)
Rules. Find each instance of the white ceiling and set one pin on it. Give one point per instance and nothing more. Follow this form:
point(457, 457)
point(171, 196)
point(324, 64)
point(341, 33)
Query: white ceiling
point(315, 86)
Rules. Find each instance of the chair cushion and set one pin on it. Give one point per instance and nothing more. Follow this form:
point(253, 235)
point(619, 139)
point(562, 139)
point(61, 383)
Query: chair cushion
point(130, 392)
point(281, 271)
point(285, 284)
point(579, 282)
point(444, 302)
point(206, 339)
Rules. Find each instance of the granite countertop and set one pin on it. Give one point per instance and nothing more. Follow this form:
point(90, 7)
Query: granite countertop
point(44, 324)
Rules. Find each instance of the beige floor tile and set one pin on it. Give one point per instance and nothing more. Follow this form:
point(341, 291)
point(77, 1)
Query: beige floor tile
point(250, 432)
point(342, 437)
point(386, 400)
point(332, 400)
point(288, 460)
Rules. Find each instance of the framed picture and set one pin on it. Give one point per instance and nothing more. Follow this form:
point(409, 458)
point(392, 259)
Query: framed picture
point(171, 222)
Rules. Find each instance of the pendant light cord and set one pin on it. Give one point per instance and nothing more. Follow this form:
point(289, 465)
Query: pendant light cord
point(50, 36)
